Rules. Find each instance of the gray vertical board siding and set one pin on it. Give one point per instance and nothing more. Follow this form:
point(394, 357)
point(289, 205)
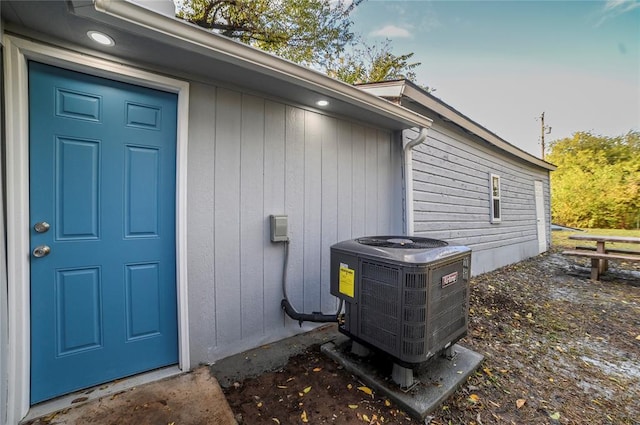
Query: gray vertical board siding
point(252, 243)
point(371, 182)
point(228, 132)
point(452, 198)
point(200, 182)
point(273, 202)
point(249, 158)
point(4, 306)
point(294, 205)
point(358, 179)
point(329, 209)
point(384, 183)
point(344, 180)
point(397, 186)
point(4, 345)
point(312, 209)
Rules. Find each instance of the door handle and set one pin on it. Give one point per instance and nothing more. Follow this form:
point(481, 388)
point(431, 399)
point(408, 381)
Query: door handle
point(41, 227)
point(41, 251)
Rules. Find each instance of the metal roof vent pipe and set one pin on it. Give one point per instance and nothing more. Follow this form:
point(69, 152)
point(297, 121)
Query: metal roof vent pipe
point(163, 7)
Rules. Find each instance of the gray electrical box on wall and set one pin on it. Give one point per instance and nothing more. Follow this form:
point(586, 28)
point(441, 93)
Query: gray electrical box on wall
point(279, 224)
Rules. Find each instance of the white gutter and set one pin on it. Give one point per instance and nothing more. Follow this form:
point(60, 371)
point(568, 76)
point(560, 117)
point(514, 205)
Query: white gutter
point(407, 148)
point(405, 89)
point(454, 116)
point(192, 37)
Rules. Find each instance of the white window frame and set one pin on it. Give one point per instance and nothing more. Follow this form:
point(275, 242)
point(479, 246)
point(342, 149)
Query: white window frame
point(495, 199)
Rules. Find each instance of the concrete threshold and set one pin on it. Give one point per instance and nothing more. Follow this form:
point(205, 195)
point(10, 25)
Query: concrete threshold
point(193, 397)
point(87, 395)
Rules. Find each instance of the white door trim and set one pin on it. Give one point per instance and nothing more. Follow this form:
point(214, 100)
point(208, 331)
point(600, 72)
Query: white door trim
point(541, 221)
point(17, 52)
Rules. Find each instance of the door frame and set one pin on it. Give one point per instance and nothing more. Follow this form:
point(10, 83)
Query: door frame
point(541, 215)
point(17, 51)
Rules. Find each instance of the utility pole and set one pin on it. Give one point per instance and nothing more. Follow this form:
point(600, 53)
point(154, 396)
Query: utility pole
point(544, 129)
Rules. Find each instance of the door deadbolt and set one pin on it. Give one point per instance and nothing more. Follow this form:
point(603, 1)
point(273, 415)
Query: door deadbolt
point(41, 251)
point(41, 227)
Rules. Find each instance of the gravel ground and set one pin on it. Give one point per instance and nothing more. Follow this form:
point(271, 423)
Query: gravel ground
point(559, 349)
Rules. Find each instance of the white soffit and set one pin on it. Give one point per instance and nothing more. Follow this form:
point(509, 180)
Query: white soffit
point(144, 22)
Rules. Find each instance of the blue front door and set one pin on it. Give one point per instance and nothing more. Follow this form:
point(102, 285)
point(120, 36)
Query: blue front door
point(102, 195)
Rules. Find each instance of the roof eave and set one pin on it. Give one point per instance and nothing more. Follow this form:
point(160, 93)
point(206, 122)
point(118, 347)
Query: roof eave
point(177, 31)
point(404, 88)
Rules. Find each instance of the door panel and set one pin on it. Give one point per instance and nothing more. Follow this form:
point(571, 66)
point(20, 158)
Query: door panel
point(142, 287)
point(77, 177)
point(102, 174)
point(141, 191)
point(78, 310)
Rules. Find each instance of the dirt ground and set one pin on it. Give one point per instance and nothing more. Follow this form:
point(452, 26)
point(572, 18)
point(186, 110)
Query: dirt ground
point(559, 349)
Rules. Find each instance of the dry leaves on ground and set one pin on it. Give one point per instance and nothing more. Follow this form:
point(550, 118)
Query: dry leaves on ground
point(559, 349)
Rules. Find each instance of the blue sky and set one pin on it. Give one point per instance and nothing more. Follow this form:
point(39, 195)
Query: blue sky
point(503, 63)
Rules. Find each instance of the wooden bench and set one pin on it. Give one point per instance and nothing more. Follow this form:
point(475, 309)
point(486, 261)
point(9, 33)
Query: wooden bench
point(600, 255)
point(596, 257)
point(608, 250)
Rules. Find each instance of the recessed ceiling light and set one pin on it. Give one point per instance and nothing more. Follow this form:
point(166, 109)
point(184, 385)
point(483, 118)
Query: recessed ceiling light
point(322, 102)
point(101, 38)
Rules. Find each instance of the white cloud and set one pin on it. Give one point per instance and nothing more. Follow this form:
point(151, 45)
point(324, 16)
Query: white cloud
point(430, 22)
point(621, 5)
point(391, 31)
point(614, 8)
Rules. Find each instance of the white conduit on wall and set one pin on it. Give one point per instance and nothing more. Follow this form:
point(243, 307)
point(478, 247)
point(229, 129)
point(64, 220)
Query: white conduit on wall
point(407, 147)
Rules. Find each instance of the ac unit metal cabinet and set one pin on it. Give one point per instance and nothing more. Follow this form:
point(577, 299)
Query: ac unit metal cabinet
point(405, 296)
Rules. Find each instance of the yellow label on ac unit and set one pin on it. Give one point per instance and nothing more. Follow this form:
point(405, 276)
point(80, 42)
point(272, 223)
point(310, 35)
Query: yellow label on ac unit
point(347, 278)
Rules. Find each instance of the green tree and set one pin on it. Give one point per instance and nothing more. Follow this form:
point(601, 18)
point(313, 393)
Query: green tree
point(597, 183)
point(313, 33)
point(304, 31)
point(372, 63)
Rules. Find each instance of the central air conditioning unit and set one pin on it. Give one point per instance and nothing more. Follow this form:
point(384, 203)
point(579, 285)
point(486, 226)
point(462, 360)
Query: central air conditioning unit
point(405, 296)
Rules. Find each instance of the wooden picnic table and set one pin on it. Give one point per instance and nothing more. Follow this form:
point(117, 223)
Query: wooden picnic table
point(600, 258)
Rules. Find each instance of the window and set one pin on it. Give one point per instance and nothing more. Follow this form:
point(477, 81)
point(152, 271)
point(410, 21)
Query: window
point(496, 209)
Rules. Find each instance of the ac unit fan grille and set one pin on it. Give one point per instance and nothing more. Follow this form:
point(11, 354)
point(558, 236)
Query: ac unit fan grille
point(373, 333)
point(442, 334)
point(380, 304)
point(415, 332)
point(380, 272)
point(380, 298)
point(414, 329)
point(416, 280)
point(402, 242)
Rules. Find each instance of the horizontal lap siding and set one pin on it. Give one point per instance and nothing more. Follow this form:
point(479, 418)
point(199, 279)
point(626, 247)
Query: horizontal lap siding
point(452, 197)
point(248, 158)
